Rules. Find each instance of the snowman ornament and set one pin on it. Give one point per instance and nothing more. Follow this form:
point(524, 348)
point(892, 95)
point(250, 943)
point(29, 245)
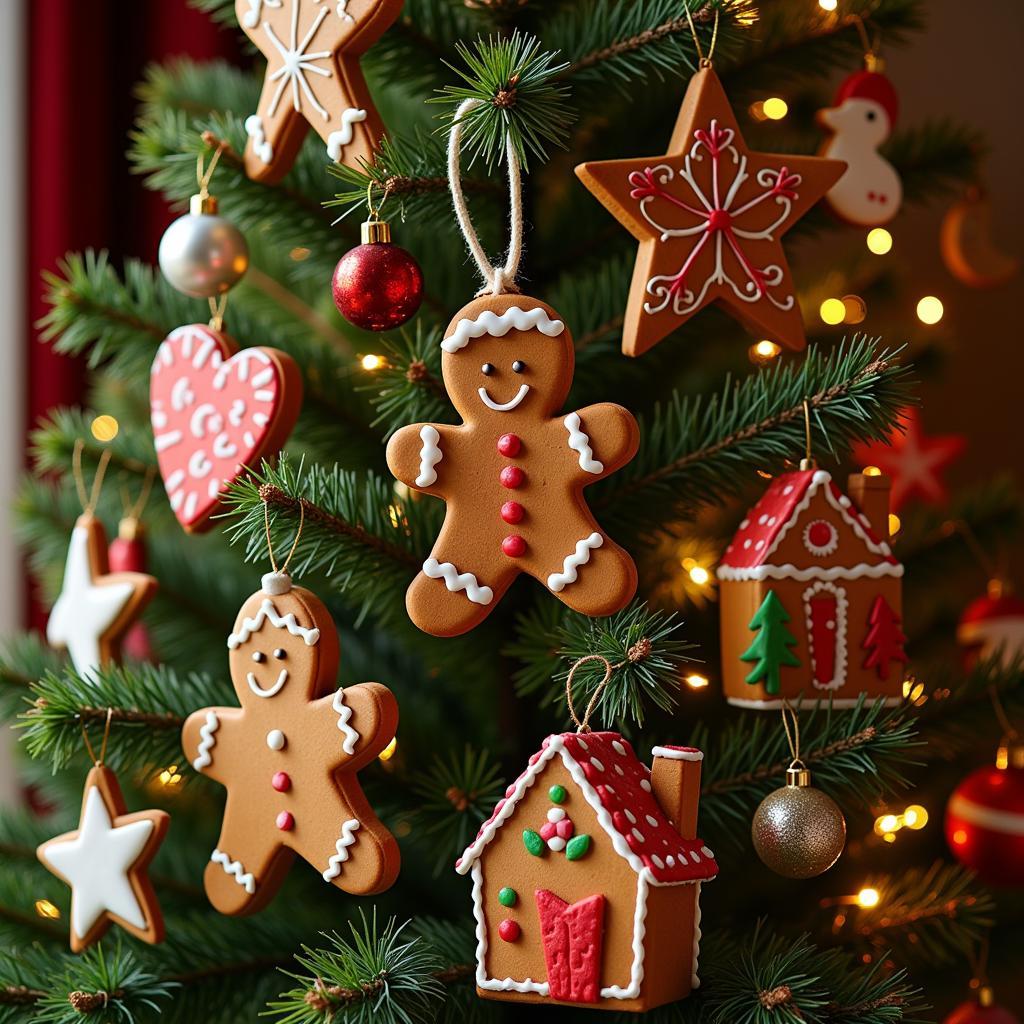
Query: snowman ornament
point(870, 191)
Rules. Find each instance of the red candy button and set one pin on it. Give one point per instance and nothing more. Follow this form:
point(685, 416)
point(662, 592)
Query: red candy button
point(286, 821)
point(512, 512)
point(509, 930)
point(512, 477)
point(509, 445)
point(514, 546)
point(281, 781)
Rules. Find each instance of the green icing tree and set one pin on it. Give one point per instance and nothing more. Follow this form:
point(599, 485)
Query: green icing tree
point(771, 647)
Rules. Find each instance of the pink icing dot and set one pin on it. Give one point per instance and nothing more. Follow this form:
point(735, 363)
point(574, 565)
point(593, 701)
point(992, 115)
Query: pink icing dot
point(548, 831)
point(564, 828)
point(285, 821)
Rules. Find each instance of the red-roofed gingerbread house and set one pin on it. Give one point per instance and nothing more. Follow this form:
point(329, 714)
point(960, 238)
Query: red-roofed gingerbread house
point(591, 894)
point(811, 595)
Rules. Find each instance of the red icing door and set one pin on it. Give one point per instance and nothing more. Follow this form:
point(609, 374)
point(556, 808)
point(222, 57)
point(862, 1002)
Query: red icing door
point(572, 935)
point(825, 605)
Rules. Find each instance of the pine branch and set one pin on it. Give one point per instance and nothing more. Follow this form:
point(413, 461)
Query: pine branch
point(933, 916)
point(520, 101)
point(694, 452)
point(147, 703)
point(858, 754)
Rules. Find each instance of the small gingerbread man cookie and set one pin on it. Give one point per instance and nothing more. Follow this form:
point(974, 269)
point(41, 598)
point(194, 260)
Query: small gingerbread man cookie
point(513, 472)
point(289, 756)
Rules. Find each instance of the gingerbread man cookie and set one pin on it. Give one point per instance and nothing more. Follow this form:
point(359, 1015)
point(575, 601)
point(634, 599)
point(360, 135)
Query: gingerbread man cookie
point(313, 78)
point(513, 472)
point(289, 756)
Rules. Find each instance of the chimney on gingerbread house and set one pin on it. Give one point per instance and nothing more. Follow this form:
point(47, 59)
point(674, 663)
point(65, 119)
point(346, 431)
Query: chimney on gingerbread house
point(870, 493)
point(675, 783)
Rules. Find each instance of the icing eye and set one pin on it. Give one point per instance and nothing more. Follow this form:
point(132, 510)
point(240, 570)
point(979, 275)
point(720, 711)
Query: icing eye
point(258, 656)
point(487, 369)
point(518, 366)
point(279, 653)
point(870, 115)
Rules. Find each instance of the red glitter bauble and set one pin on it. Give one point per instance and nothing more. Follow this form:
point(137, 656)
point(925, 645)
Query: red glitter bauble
point(972, 1012)
point(377, 286)
point(985, 823)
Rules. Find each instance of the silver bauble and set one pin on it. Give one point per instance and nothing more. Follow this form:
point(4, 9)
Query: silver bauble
point(798, 831)
point(203, 255)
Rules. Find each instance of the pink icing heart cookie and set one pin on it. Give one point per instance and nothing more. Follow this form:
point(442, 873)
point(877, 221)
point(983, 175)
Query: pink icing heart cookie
point(216, 410)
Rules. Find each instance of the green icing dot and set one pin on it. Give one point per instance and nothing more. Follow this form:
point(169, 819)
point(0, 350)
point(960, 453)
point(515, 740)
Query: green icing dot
point(508, 896)
point(557, 794)
point(533, 842)
point(577, 847)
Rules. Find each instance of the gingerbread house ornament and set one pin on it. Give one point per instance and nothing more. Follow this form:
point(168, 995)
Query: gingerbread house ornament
point(811, 596)
point(588, 862)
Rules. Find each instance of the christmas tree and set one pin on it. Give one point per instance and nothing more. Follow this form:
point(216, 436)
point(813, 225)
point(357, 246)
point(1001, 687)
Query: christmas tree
point(770, 648)
point(894, 932)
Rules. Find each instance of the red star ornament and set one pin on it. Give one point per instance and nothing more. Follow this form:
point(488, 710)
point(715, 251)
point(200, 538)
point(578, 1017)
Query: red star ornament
point(709, 216)
point(912, 460)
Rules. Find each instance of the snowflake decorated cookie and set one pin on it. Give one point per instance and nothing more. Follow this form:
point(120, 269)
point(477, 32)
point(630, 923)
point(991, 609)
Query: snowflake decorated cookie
point(216, 410)
point(289, 756)
point(513, 472)
point(710, 215)
point(313, 78)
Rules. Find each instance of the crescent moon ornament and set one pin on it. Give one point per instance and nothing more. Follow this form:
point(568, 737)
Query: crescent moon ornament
point(968, 248)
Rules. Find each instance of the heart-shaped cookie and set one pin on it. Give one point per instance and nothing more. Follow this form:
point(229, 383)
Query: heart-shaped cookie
point(216, 410)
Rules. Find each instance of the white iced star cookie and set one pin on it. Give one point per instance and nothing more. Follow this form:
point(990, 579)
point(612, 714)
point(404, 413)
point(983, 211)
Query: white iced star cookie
point(95, 606)
point(105, 861)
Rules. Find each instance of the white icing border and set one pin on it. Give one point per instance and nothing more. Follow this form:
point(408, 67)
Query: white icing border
point(839, 593)
point(207, 741)
point(813, 572)
point(837, 702)
point(497, 326)
point(268, 611)
point(1003, 822)
point(820, 550)
point(677, 755)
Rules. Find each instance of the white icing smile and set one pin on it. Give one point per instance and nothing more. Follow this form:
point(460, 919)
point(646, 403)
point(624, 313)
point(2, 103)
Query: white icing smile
point(507, 406)
point(270, 691)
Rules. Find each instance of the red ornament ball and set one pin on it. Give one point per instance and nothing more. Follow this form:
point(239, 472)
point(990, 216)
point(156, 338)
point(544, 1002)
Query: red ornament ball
point(973, 1012)
point(377, 286)
point(514, 546)
point(512, 512)
point(985, 822)
point(992, 624)
point(509, 930)
point(512, 477)
point(509, 445)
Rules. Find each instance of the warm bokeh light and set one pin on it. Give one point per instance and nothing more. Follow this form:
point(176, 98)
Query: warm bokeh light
point(695, 681)
point(929, 310)
point(775, 108)
point(763, 351)
point(170, 776)
point(828, 5)
point(871, 471)
point(832, 311)
point(699, 575)
point(371, 362)
point(894, 524)
point(914, 692)
point(868, 898)
point(389, 751)
point(959, 837)
point(299, 253)
point(44, 908)
point(879, 241)
point(854, 309)
point(104, 428)
point(915, 817)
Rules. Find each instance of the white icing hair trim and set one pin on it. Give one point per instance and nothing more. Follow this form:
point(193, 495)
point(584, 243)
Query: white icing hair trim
point(677, 755)
point(497, 326)
point(497, 279)
point(269, 613)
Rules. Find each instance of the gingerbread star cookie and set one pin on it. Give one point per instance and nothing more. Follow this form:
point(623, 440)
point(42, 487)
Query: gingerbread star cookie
point(289, 756)
point(95, 607)
point(313, 78)
point(513, 472)
point(105, 861)
point(710, 215)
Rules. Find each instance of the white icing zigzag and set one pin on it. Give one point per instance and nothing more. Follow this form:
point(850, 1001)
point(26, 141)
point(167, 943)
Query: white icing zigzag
point(456, 581)
point(338, 140)
point(206, 741)
point(344, 716)
point(430, 456)
point(260, 144)
point(235, 869)
point(348, 837)
point(268, 611)
point(498, 326)
point(558, 581)
point(580, 442)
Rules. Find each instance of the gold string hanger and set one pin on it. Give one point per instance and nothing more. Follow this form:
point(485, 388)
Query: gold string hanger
point(702, 60)
point(797, 773)
point(97, 761)
point(133, 510)
point(873, 60)
point(583, 726)
point(270, 543)
point(204, 203)
point(807, 462)
point(89, 499)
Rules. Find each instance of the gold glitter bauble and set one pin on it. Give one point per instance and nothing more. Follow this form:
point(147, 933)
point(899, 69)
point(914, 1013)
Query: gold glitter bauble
point(798, 831)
